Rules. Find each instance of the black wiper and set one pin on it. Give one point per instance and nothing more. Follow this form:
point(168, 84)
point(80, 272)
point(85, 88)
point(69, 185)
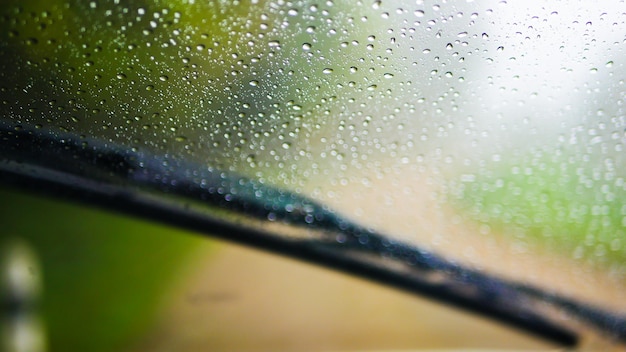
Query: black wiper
point(176, 192)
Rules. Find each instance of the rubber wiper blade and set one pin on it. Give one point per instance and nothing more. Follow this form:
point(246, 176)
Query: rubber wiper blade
point(160, 187)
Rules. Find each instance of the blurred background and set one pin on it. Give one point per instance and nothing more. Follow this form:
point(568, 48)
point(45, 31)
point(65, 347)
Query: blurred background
point(113, 283)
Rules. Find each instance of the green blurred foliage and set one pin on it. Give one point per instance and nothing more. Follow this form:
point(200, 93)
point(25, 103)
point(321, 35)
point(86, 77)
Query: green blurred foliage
point(104, 275)
point(555, 202)
point(250, 88)
point(162, 76)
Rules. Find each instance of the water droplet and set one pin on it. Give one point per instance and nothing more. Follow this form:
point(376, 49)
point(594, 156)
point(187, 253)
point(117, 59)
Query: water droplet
point(163, 78)
point(286, 145)
point(254, 83)
point(419, 13)
point(306, 46)
point(388, 75)
point(327, 71)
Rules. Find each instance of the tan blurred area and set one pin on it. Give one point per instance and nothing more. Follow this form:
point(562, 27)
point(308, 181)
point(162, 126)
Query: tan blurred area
point(239, 299)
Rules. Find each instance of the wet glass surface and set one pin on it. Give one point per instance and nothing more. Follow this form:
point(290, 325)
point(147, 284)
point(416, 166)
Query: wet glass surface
point(471, 151)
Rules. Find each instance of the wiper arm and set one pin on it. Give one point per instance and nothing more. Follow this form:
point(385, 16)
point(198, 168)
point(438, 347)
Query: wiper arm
point(184, 194)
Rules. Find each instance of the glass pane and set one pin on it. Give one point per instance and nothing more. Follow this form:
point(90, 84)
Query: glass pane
point(472, 152)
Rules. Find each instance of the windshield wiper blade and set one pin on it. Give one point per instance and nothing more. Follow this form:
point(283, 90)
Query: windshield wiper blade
point(159, 188)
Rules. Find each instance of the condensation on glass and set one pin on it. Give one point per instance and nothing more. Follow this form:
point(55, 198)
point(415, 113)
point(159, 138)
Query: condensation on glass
point(488, 133)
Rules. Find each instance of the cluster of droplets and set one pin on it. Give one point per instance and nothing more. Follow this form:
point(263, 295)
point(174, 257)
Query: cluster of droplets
point(347, 95)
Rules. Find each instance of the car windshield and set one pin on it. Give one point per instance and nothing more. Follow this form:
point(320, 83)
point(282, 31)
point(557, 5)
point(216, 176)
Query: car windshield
point(470, 152)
